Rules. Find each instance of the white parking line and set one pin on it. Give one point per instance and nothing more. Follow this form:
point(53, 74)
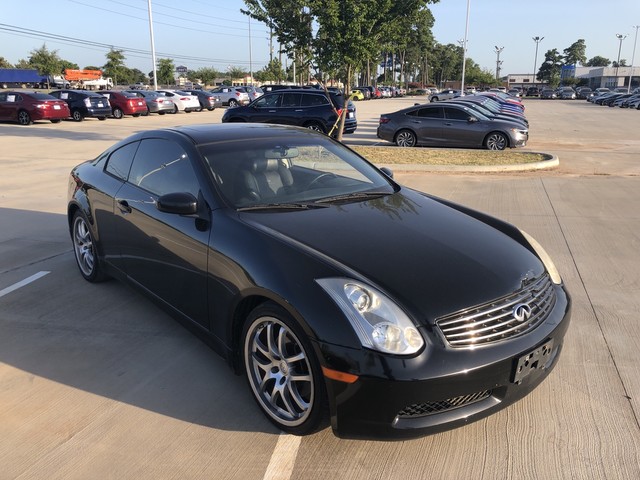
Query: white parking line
point(22, 283)
point(283, 458)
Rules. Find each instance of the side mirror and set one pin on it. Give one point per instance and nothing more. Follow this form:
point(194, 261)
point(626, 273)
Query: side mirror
point(387, 171)
point(178, 203)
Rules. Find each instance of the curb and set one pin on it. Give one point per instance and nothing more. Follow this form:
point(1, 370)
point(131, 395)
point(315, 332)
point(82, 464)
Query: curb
point(552, 162)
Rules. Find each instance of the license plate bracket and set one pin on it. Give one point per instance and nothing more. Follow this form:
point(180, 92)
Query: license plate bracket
point(536, 359)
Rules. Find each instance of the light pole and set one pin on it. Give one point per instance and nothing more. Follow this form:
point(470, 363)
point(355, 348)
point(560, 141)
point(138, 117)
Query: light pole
point(464, 47)
point(498, 62)
point(621, 38)
point(633, 57)
point(535, 59)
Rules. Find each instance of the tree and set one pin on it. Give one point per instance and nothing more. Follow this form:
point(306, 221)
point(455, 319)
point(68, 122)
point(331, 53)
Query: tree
point(4, 63)
point(236, 73)
point(205, 75)
point(115, 65)
point(273, 72)
point(165, 71)
point(575, 53)
point(551, 67)
point(598, 61)
point(615, 64)
point(47, 62)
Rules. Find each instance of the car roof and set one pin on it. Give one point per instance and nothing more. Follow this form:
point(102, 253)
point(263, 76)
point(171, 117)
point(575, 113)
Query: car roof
point(201, 134)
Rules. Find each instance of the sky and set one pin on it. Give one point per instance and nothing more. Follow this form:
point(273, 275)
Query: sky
point(213, 33)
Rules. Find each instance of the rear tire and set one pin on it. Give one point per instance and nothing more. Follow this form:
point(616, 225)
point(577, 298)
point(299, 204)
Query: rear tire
point(77, 116)
point(315, 126)
point(233, 103)
point(406, 138)
point(85, 249)
point(24, 118)
point(117, 113)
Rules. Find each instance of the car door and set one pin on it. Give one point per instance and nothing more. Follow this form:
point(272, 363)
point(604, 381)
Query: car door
point(7, 104)
point(265, 109)
point(427, 123)
point(165, 253)
point(459, 131)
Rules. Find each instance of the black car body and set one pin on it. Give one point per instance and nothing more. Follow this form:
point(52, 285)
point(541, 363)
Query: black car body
point(84, 104)
point(309, 108)
point(533, 92)
point(451, 125)
point(331, 286)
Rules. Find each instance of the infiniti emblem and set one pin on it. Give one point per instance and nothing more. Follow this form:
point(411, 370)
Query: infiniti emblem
point(522, 312)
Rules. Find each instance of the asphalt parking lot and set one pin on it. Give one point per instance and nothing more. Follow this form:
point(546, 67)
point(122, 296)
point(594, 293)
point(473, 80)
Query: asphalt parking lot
point(96, 382)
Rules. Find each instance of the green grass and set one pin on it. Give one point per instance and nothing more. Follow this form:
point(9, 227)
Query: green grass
point(430, 156)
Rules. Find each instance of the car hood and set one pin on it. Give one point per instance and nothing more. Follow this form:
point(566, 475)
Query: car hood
point(431, 258)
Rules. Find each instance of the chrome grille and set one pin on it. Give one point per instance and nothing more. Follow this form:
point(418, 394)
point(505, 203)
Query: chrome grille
point(432, 408)
point(495, 321)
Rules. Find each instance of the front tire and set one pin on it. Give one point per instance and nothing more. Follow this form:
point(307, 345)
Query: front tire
point(282, 371)
point(406, 138)
point(496, 141)
point(85, 249)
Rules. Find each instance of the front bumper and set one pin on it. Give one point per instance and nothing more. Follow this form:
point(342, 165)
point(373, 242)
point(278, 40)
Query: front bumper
point(440, 389)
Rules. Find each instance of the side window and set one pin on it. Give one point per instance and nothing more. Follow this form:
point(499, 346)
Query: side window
point(313, 100)
point(291, 99)
point(430, 112)
point(162, 166)
point(455, 114)
point(3, 97)
point(268, 101)
point(119, 162)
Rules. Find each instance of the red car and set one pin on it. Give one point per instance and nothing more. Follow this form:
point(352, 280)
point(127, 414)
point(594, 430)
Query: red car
point(27, 107)
point(125, 103)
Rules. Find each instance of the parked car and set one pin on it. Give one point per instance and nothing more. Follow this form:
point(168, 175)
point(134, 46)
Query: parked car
point(584, 92)
point(84, 104)
point(503, 105)
point(232, 96)
point(233, 241)
point(308, 108)
point(357, 94)
point(566, 93)
point(156, 103)
point(451, 125)
point(208, 100)
point(446, 94)
point(28, 107)
point(515, 92)
point(494, 114)
point(548, 93)
point(183, 102)
point(533, 92)
point(124, 103)
point(366, 93)
point(253, 92)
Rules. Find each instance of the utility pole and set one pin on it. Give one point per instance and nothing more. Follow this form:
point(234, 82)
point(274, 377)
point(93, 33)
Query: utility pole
point(535, 58)
point(464, 46)
point(153, 48)
point(621, 38)
point(498, 62)
point(633, 57)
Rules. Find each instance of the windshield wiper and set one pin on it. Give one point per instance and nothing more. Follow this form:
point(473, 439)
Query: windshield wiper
point(352, 196)
point(281, 206)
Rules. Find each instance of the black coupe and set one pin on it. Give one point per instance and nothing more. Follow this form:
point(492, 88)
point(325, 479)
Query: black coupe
point(340, 294)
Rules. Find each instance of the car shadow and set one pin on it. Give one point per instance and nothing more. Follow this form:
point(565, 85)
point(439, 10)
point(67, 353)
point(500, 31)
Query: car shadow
point(103, 339)
point(50, 130)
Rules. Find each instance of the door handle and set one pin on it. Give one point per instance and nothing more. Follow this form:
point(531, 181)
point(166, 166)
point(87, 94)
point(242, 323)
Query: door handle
point(123, 206)
point(448, 124)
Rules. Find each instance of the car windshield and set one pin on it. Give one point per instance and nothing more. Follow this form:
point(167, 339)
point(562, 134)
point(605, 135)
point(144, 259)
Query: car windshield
point(292, 172)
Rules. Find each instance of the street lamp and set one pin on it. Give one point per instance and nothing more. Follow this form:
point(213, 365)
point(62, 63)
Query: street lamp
point(498, 62)
point(621, 38)
point(633, 57)
point(535, 59)
point(464, 47)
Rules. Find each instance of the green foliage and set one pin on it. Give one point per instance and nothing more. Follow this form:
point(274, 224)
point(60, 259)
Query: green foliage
point(551, 67)
point(205, 75)
point(236, 73)
point(114, 67)
point(575, 53)
point(45, 61)
point(165, 71)
point(273, 72)
point(598, 61)
point(4, 63)
point(615, 64)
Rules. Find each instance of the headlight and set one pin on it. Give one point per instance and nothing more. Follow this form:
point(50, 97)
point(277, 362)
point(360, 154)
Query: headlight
point(544, 256)
point(379, 323)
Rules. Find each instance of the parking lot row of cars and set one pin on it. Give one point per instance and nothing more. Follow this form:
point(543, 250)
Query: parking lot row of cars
point(617, 99)
point(26, 107)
